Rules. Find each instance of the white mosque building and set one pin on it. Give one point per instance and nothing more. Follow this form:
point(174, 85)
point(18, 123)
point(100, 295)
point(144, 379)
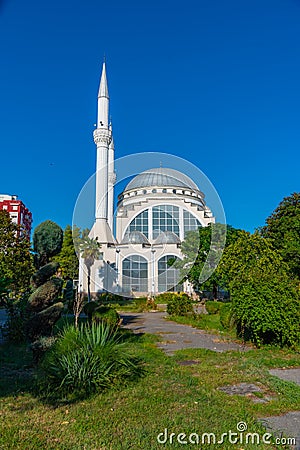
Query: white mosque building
point(153, 214)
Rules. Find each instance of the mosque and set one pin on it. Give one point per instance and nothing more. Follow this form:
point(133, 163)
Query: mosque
point(153, 214)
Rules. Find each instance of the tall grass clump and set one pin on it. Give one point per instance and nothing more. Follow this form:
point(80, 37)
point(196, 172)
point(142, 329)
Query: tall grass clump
point(87, 360)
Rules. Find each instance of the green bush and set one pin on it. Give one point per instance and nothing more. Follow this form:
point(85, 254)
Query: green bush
point(40, 346)
point(213, 307)
point(45, 295)
point(180, 305)
point(89, 308)
point(265, 297)
point(268, 311)
point(108, 297)
point(226, 316)
point(44, 273)
point(86, 360)
point(140, 304)
point(165, 297)
point(107, 315)
point(17, 315)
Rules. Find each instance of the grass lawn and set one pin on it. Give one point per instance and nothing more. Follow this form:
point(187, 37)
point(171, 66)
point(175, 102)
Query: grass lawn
point(183, 399)
point(208, 322)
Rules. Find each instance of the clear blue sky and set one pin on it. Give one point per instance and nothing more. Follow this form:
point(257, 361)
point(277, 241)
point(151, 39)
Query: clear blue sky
point(216, 82)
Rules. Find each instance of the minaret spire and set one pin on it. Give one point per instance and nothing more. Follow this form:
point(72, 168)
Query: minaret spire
point(103, 101)
point(102, 139)
point(103, 88)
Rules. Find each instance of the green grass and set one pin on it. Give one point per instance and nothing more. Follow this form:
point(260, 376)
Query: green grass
point(180, 398)
point(208, 322)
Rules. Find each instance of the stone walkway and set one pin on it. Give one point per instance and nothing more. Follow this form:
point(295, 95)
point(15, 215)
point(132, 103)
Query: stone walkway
point(176, 336)
point(287, 374)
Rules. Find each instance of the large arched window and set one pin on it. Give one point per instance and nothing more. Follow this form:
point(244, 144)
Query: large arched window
point(135, 274)
point(139, 223)
point(190, 222)
point(168, 276)
point(165, 218)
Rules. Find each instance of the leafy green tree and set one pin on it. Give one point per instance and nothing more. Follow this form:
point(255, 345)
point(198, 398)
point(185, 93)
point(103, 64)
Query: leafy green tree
point(265, 300)
point(199, 251)
point(16, 262)
point(67, 257)
point(90, 251)
point(47, 241)
point(283, 228)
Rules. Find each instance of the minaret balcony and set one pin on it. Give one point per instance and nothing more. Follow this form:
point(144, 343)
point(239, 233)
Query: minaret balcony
point(102, 136)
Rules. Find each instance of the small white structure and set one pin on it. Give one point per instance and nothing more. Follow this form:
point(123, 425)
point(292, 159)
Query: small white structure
point(154, 212)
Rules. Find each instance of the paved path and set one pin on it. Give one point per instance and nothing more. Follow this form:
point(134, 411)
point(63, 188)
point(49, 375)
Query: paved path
point(176, 336)
point(287, 424)
point(287, 374)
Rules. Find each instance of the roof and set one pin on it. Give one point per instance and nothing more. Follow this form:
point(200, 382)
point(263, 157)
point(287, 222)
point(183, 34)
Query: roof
point(163, 177)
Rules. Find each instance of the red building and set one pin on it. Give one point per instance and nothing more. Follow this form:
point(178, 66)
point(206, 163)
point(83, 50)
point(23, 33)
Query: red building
point(18, 212)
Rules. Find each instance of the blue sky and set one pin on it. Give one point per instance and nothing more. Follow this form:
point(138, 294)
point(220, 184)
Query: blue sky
point(211, 81)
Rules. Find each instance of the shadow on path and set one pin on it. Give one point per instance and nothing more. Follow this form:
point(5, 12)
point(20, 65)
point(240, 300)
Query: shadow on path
point(176, 336)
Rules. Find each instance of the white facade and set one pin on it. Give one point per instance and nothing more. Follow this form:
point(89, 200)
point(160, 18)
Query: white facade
point(154, 212)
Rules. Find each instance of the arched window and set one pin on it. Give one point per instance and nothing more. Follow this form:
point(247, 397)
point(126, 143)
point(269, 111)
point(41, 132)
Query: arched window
point(165, 218)
point(135, 274)
point(139, 223)
point(168, 276)
point(190, 222)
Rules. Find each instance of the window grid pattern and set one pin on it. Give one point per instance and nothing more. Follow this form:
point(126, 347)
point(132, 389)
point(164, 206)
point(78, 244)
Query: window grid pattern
point(168, 277)
point(190, 223)
point(165, 218)
point(139, 223)
point(135, 274)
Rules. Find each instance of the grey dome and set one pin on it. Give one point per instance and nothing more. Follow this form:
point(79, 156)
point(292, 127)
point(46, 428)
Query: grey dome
point(135, 237)
point(162, 177)
point(167, 237)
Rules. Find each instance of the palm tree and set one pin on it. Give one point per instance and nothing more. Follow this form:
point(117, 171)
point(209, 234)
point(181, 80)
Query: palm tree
point(90, 251)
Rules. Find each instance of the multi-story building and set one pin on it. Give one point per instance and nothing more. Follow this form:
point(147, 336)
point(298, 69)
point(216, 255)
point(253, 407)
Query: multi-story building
point(18, 212)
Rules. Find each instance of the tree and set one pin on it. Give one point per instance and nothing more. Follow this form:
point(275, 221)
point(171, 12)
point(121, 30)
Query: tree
point(67, 257)
point(202, 250)
point(265, 300)
point(47, 241)
point(16, 262)
point(90, 251)
point(283, 228)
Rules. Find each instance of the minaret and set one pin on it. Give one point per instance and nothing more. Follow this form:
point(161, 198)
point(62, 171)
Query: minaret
point(102, 139)
point(111, 181)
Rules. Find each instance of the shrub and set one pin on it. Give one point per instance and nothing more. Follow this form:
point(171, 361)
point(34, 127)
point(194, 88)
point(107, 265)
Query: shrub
point(69, 294)
point(180, 305)
point(89, 308)
point(226, 316)
point(44, 273)
point(213, 307)
point(165, 297)
point(17, 315)
point(265, 298)
point(268, 311)
point(107, 315)
point(45, 295)
point(140, 303)
point(108, 297)
point(40, 346)
point(86, 360)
